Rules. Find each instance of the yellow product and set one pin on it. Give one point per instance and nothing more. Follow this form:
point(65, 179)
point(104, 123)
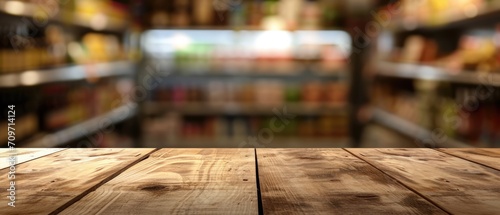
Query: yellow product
point(3, 65)
point(32, 123)
point(95, 45)
point(99, 13)
point(16, 61)
point(113, 49)
point(440, 10)
point(90, 7)
point(32, 59)
point(101, 47)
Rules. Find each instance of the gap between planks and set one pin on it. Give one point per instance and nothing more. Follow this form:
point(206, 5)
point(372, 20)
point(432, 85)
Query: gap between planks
point(83, 194)
point(467, 159)
point(257, 180)
point(401, 183)
point(108, 178)
point(171, 181)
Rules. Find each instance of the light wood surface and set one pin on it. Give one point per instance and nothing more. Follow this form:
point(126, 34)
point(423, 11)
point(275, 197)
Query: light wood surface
point(233, 181)
point(486, 156)
point(24, 154)
point(48, 183)
point(179, 181)
point(331, 181)
point(455, 184)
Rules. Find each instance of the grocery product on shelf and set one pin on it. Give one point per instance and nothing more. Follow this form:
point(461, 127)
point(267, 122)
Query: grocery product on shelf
point(96, 14)
point(249, 52)
point(57, 51)
point(441, 74)
point(464, 113)
point(476, 51)
point(246, 108)
point(56, 63)
point(225, 84)
point(266, 14)
point(440, 12)
point(65, 105)
point(260, 93)
point(24, 114)
point(217, 127)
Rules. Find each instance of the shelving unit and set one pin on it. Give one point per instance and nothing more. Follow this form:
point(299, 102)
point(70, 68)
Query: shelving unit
point(69, 73)
point(439, 95)
point(432, 73)
point(85, 128)
point(230, 59)
point(203, 78)
point(90, 72)
point(488, 17)
point(203, 109)
point(27, 9)
point(424, 136)
point(81, 81)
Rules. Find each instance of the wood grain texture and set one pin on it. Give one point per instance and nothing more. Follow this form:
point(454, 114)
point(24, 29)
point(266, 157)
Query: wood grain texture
point(486, 156)
point(45, 184)
point(455, 184)
point(179, 181)
point(24, 154)
point(331, 181)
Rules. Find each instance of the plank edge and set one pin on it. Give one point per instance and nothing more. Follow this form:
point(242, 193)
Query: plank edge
point(104, 181)
point(399, 182)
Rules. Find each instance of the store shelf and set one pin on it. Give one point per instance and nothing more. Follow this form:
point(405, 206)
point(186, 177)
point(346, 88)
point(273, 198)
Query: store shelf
point(85, 128)
point(198, 108)
point(486, 18)
point(411, 130)
point(203, 78)
point(293, 71)
point(70, 73)
point(423, 72)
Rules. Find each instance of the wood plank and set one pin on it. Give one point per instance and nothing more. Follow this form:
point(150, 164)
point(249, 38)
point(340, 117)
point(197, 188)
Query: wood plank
point(457, 185)
point(486, 156)
point(45, 184)
point(331, 181)
point(179, 181)
point(24, 154)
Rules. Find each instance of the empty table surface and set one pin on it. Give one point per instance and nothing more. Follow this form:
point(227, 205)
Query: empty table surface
point(252, 181)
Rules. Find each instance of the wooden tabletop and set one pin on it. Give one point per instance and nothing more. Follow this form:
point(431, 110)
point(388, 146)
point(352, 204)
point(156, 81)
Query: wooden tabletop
point(253, 181)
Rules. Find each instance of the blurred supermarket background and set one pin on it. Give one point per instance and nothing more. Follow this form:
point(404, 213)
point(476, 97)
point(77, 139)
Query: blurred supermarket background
point(250, 73)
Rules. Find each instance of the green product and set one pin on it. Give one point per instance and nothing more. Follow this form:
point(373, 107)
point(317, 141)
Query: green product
point(292, 94)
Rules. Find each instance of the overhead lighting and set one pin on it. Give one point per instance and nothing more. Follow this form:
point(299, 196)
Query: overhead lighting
point(180, 41)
